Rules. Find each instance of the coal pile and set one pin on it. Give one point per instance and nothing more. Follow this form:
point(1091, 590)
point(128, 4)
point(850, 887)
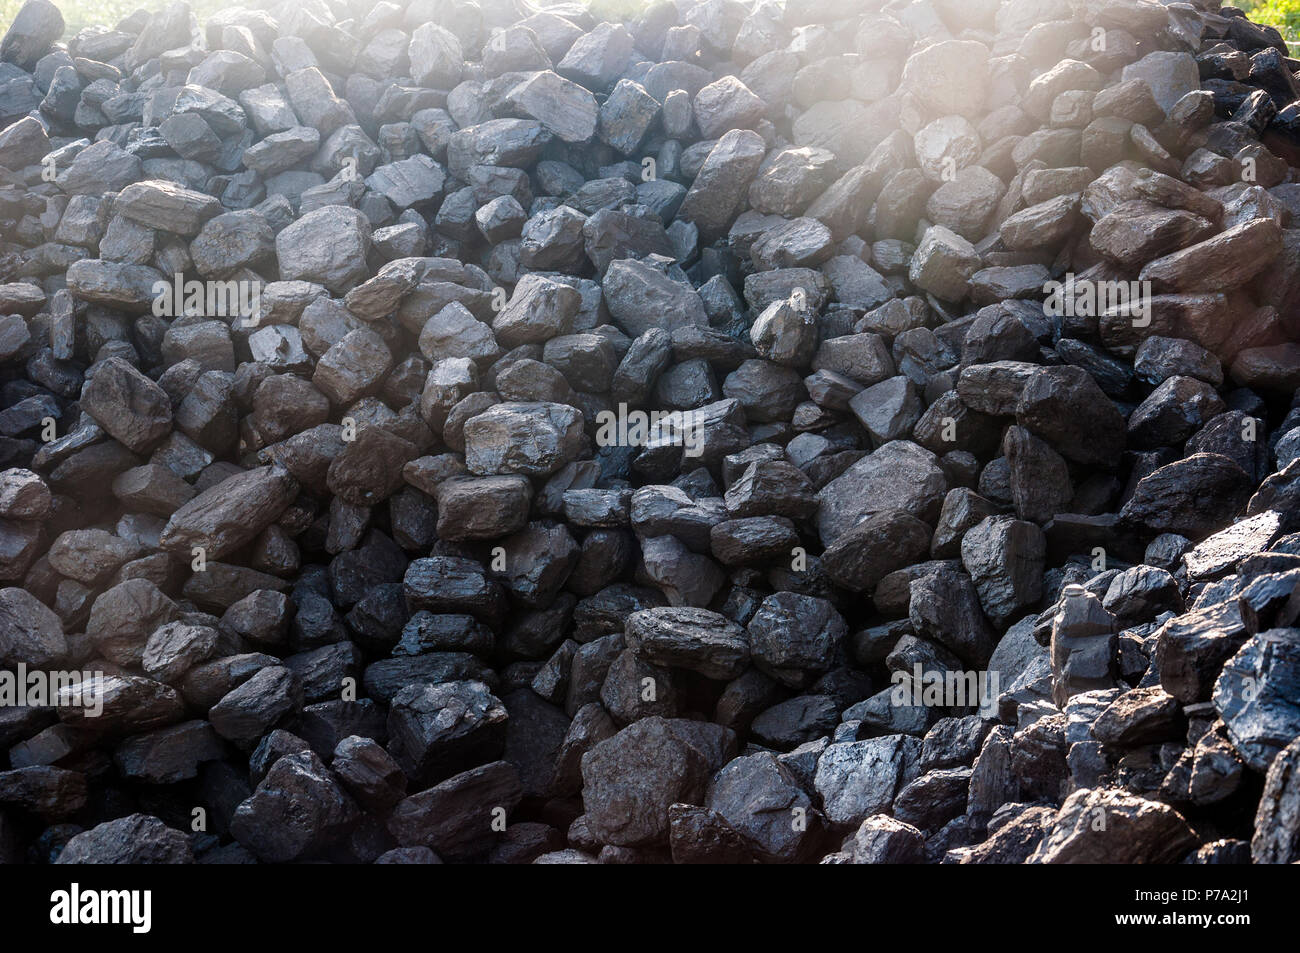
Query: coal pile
point(833, 431)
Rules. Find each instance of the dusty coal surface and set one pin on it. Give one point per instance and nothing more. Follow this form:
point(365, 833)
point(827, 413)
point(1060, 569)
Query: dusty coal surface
point(832, 431)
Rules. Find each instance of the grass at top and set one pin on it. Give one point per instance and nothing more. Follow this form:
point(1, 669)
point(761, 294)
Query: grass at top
point(1283, 14)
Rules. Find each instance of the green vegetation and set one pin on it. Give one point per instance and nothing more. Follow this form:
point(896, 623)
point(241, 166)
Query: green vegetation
point(1283, 14)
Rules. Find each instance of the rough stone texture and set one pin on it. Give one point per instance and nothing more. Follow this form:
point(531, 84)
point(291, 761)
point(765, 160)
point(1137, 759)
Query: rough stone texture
point(474, 433)
point(1133, 830)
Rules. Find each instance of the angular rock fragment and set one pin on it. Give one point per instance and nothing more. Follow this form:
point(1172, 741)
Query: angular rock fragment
point(631, 779)
point(1135, 830)
point(134, 839)
point(694, 639)
point(298, 810)
point(231, 514)
point(1255, 696)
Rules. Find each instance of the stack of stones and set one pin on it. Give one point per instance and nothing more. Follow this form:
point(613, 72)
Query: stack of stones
point(832, 431)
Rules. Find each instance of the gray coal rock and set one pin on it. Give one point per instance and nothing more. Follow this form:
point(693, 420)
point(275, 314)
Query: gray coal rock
point(818, 432)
